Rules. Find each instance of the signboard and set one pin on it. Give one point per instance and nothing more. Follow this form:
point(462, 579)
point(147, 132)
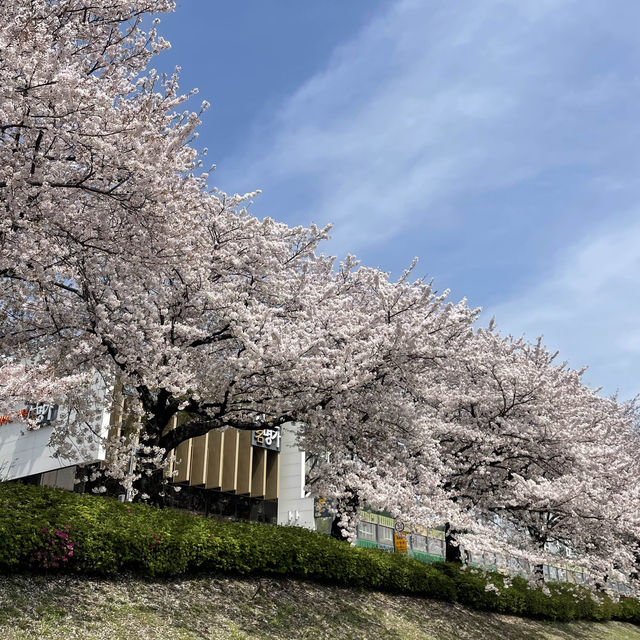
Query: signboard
point(321, 508)
point(43, 414)
point(266, 439)
point(399, 542)
point(398, 525)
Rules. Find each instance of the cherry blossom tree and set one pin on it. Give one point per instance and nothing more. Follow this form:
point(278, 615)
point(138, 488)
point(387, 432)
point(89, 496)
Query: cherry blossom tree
point(118, 259)
point(374, 444)
point(536, 456)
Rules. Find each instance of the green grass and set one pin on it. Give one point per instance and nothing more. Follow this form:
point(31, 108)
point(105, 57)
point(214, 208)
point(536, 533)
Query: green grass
point(225, 607)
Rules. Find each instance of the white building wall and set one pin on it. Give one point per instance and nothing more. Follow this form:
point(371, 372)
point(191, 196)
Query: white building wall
point(25, 452)
point(294, 508)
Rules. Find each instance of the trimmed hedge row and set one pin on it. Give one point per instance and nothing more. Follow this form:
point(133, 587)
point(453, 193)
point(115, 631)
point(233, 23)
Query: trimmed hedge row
point(52, 530)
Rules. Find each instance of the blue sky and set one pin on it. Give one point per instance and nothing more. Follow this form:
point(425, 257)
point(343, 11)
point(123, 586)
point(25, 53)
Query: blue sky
point(497, 141)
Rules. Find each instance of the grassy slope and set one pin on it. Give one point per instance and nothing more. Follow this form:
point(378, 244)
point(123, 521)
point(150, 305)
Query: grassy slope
point(212, 607)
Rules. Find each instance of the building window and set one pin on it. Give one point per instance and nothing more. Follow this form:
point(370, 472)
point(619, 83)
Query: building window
point(367, 531)
point(435, 547)
point(418, 542)
point(385, 535)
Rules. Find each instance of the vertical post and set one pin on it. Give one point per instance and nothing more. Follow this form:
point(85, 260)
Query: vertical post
point(128, 497)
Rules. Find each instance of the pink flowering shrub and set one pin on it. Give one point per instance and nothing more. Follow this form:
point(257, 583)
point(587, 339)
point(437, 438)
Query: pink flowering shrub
point(156, 539)
point(55, 549)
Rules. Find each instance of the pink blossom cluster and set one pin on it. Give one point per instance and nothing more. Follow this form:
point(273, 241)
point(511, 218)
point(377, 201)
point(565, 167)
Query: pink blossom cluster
point(156, 540)
point(56, 548)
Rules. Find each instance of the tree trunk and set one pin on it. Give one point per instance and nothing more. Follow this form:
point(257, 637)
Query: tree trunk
point(538, 573)
point(349, 505)
point(540, 540)
point(336, 529)
point(602, 586)
point(452, 548)
point(151, 486)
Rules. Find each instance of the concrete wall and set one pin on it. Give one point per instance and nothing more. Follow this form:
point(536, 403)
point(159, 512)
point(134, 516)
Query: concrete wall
point(24, 453)
point(60, 479)
point(293, 507)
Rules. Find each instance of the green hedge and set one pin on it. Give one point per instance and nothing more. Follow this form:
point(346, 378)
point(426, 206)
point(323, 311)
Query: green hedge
point(46, 530)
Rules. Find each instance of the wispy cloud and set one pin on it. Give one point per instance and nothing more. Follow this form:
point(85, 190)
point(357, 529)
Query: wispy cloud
point(484, 137)
point(433, 102)
point(588, 306)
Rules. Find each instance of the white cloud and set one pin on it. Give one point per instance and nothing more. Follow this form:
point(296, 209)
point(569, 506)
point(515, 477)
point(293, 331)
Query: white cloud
point(429, 100)
point(588, 306)
point(488, 127)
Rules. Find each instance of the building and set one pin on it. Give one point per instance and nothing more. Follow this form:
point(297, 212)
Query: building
point(25, 454)
point(252, 475)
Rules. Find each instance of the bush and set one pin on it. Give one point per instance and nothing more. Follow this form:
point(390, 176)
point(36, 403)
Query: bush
point(52, 530)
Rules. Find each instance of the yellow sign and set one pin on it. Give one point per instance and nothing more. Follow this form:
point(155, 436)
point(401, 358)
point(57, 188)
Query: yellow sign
point(399, 542)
